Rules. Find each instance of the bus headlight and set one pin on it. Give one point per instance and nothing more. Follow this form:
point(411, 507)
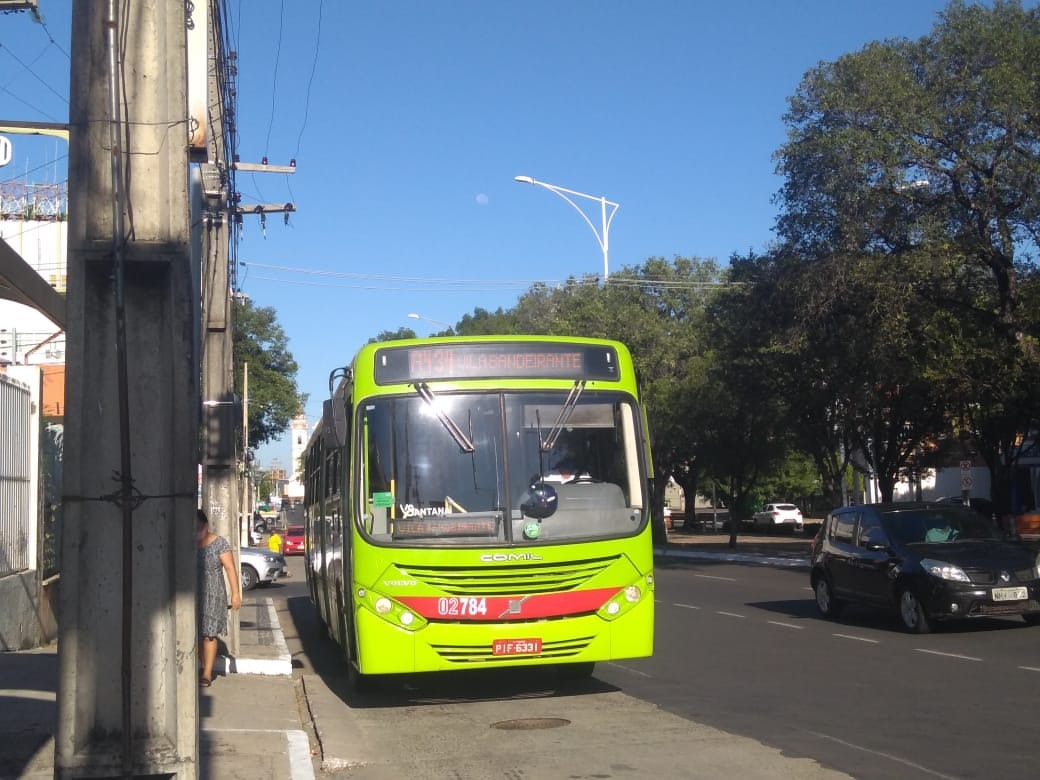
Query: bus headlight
point(390, 610)
point(625, 599)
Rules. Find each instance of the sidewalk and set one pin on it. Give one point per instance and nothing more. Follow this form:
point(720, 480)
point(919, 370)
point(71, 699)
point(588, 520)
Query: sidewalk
point(791, 550)
point(249, 722)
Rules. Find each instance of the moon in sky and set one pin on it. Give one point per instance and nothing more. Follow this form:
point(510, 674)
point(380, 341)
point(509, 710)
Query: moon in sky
point(482, 199)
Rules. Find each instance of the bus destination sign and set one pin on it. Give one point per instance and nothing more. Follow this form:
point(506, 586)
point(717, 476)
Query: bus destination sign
point(532, 360)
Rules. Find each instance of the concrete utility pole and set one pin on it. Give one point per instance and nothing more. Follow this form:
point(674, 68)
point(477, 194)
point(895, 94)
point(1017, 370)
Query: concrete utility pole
point(220, 489)
point(128, 690)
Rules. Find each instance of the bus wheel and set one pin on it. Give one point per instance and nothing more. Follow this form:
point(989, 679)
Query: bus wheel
point(579, 671)
point(356, 681)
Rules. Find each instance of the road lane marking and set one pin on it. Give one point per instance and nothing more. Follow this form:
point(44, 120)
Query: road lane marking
point(1029, 668)
point(715, 577)
point(784, 625)
point(858, 638)
point(889, 756)
point(947, 655)
point(685, 606)
point(729, 614)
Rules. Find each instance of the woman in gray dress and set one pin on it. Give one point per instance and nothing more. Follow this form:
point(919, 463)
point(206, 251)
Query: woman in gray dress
point(214, 558)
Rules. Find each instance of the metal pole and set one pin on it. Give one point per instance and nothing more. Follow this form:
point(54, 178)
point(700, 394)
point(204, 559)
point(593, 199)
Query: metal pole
point(714, 509)
point(602, 234)
point(247, 499)
point(125, 465)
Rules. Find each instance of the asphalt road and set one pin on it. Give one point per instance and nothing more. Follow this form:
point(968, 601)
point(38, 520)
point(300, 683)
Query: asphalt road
point(741, 649)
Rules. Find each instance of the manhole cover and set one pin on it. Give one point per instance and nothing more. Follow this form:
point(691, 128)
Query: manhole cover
point(524, 724)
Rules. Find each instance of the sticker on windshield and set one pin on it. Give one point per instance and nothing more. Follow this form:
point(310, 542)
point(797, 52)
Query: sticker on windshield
point(383, 500)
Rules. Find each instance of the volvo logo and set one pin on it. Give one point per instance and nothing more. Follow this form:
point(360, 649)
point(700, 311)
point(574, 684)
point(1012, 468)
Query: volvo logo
point(1005, 577)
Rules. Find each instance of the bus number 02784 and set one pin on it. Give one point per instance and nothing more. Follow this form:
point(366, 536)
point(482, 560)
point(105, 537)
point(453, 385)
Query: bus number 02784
point(461, 607)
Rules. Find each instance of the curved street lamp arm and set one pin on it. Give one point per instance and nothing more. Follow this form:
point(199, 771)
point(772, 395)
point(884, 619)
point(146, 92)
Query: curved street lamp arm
point(602, 240)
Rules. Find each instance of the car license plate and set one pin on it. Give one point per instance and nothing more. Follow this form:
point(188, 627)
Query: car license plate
point(1010, 594)
point(516, 647)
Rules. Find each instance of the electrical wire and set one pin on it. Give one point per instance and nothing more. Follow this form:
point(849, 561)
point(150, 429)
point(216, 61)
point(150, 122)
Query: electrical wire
point(385, 282)
point(274, 80)
point(306, 103)
point(50, 37)
point(310, 82)
point(27, 171)
point(32, 73)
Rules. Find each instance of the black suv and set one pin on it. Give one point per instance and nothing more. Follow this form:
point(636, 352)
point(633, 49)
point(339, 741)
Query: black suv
point(932, 561)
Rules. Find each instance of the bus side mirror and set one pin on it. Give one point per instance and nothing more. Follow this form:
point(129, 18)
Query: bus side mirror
point(333, 424)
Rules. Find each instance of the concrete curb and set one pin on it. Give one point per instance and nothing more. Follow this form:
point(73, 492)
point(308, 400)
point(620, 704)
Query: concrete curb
point(798, 562)
point(263, 649)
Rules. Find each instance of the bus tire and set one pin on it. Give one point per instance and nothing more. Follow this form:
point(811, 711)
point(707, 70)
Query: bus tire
point(579, 671)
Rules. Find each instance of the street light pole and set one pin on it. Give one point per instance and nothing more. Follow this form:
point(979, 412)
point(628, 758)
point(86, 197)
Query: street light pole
point(602, 235)
point(415, 316)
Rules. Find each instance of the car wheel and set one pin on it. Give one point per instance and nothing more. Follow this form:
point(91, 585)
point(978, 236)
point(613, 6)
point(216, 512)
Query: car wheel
point(912, 613)
point(829, 606)
point(249, 577)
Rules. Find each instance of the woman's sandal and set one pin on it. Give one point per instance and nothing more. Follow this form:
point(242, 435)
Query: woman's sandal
point(205, 682)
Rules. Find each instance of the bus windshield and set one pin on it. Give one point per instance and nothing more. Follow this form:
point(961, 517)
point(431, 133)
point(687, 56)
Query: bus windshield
point(481, 468)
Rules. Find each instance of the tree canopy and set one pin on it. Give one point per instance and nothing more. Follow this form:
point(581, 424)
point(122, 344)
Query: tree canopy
point(894, 325)
point(274, 397)
point(910, 190)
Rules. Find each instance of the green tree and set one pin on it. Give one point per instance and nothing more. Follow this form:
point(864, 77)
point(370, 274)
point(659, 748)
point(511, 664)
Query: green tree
point(485, 323)
point(274, 397)
point(922, 159)
point(393, 335)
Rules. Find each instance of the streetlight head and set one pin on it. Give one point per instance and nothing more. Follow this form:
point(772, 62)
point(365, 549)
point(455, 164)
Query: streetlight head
point(414, 316)
point(524, 179)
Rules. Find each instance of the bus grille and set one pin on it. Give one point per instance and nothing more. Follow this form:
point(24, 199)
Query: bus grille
point(468, 654)
point(508, 579)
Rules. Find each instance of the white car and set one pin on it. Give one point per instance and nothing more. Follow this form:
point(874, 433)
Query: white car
point(786, 517)
point(260, 567)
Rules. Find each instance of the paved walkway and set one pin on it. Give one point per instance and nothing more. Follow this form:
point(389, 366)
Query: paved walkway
point(257, 723)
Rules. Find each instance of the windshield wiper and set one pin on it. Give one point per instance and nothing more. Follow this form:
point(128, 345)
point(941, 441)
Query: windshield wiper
point(565, 414)
point(452, 427)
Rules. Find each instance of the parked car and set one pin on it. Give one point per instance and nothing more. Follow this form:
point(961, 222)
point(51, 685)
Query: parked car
point(930, 561)
point(292, 541)
point(260, 567)
point(785, 517)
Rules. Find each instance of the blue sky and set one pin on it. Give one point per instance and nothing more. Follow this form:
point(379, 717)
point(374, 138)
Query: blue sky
point(408, 122)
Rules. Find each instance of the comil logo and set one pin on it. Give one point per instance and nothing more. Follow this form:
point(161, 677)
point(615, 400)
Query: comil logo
point(6, 150)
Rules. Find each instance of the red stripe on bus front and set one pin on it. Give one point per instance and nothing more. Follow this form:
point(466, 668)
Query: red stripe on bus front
point(541, 605)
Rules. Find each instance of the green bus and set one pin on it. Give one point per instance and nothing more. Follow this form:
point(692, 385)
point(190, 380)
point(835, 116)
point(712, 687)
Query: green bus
point(478, 502)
